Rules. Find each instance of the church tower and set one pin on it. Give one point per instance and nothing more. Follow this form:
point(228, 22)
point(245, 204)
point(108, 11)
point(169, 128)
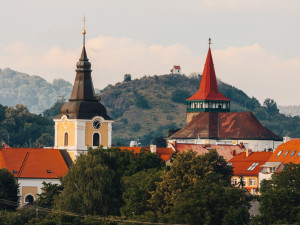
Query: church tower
point(82, 122)
point(208, 98)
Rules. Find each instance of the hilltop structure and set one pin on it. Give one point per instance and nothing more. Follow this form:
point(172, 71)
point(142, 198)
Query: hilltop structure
point(82, 122)
point(176, 70)
point(210, 122)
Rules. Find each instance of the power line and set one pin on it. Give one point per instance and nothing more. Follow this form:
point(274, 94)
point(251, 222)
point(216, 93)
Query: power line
point(116, 219)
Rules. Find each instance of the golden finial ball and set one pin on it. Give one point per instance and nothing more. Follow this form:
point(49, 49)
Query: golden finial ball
point(83, 32)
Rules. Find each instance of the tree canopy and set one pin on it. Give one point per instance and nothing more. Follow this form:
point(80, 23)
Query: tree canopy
point(280, 197)
point(9, 189)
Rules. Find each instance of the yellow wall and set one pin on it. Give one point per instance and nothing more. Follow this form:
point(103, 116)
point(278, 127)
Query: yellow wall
point(247, 181)
point(29, 190)
point(61, 133)
point(89, 130)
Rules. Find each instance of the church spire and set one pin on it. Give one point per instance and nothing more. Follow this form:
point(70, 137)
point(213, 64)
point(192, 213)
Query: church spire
point(208, 98)
point(83, 88)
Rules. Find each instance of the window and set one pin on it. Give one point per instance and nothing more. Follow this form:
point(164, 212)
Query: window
point(29, 199)
point(282, 168)
point(287, 152)
point(279, 153)
point(298, 154)
point(253, 191)
point(66, 139)
point(234, 181)
point(96, 139)
point(293, 153)
point(229, 164)
point(252, 166)
point(252, 182)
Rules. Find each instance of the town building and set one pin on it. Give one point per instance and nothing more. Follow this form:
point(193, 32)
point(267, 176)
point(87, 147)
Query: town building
point(227, 151)
point(210, 122)
point(82, 122)
point(246, 168)
point(286, 153)
point(176, 70)
point(32, 166)
point(164, 153)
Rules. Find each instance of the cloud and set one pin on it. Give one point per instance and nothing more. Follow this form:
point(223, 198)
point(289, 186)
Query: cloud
point(250, 68)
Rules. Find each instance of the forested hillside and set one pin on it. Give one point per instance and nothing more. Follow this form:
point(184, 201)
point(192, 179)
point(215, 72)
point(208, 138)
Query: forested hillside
point(143, 109)
point(33, 91)
point(148, 107)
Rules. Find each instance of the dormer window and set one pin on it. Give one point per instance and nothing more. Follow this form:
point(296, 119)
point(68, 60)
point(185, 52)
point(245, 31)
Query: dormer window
point(279, 153)
point(286, 153)
point(48, 171)
point(293, 153)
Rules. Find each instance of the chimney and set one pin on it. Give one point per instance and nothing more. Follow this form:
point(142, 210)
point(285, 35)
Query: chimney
point(248, 152)
point(153, 148)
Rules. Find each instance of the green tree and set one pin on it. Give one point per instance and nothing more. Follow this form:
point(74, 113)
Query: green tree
point(44, 140)
point(54, 110)
point(210, 203)
point(280, 197)
point(137, 191)
point(186, 170)
point(180, 96)
point(93, 184)
point(127, 77)
point(141, 102)
point(160, 142)
point(271, 106)
point(49, 193)
point(8, 190)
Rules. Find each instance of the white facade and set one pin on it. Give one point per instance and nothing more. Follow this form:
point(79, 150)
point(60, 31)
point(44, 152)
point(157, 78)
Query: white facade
point(32, 186)
point(254, 145)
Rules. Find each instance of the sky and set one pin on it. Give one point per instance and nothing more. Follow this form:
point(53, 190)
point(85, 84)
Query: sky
point(255, 43)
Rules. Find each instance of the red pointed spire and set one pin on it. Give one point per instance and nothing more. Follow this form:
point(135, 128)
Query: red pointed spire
point(208, 89)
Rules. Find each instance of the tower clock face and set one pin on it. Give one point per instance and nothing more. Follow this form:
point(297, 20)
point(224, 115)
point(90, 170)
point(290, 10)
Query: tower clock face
point(96, 124)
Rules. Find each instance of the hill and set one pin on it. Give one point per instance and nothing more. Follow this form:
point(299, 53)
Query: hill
point(148, 107)
point(33, 91)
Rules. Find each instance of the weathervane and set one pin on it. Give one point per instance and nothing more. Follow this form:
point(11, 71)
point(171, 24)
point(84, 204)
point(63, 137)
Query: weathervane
point(209, 41)
point(84, 31)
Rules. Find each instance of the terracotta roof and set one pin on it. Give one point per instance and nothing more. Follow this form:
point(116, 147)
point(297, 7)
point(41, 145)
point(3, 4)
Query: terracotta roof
point(164, 153)
point(208, 89)
point(177, 67)
point(225, 125)
point(227, 151)
point(241, 163)
point(33, 163)
point(290, 153)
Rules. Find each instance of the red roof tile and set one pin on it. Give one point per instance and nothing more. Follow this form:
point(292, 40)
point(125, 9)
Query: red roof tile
point(227, 151)
point(164, 153)
point(241, 163)
point(225, 125)
point(33, 163)
point(177, 67)
point(287, 149)
point(208, 89)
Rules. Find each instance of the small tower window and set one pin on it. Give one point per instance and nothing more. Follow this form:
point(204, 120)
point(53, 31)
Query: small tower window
point(66, 139)
point(96, 139)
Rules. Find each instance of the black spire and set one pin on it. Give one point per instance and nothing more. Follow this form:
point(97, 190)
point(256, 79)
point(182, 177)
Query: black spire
point(83, 104)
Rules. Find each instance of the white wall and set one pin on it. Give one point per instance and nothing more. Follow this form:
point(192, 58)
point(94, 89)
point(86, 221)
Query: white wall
point(31, 182)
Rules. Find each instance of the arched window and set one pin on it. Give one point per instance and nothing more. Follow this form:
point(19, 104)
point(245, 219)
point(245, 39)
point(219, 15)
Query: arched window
point(66, 139)
point(96, 139)
point(29, 199)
